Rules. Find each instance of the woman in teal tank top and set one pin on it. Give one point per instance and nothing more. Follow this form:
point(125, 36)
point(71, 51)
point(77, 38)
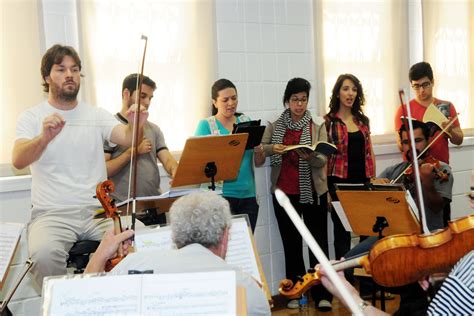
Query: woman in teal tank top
point(239, 192)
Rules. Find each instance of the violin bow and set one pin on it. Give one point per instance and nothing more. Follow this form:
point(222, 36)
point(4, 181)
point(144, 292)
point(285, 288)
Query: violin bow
point(419, 193)
point(132, 188)
point(317, 251)
point(427, 147)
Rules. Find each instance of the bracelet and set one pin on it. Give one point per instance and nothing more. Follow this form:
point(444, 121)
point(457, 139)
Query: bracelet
point(363, 305)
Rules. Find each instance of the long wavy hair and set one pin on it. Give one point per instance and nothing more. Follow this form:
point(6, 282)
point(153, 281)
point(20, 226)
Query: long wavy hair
point(359, 102)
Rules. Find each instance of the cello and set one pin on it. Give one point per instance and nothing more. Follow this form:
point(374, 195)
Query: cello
point(104, 188)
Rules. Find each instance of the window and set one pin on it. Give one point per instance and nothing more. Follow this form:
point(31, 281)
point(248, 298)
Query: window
point(179, 58)
point(367, 39)
point(448, 30)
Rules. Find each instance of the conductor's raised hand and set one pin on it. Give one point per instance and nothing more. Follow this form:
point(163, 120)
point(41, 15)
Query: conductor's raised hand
point(52, 126)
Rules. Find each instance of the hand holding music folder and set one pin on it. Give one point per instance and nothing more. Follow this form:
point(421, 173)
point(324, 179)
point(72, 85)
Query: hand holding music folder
point(255, 131)
point(321, 147)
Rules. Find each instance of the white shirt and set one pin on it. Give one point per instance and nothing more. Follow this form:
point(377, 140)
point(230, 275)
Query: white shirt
point(73, 163)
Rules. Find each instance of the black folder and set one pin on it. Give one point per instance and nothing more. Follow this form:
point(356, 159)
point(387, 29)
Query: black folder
point(254, 129)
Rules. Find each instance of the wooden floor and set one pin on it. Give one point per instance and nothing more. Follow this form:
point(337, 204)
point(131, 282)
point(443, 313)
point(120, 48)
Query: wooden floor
point(338, 309)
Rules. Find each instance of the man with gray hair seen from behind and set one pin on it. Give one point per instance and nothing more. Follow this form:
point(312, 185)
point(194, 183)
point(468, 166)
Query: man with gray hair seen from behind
point(200, 224)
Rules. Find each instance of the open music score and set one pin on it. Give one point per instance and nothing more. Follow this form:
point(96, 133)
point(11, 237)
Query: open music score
point(202, 293)
point(240, 251)
point(9, 238)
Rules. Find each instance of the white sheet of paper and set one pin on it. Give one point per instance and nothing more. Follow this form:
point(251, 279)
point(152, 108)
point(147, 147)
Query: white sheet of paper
point(342, 215)
point(156, 238)
point(240, 250)
point(414, 209)
point(203, 293)
point(9, 236)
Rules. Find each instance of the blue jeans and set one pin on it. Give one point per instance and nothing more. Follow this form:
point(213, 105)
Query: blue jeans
point(247, 206)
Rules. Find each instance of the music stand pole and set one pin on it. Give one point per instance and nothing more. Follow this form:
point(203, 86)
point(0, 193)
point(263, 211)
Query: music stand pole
point(4, 311)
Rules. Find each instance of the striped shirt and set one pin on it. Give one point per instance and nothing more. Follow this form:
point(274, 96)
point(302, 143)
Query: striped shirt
point(456, 295)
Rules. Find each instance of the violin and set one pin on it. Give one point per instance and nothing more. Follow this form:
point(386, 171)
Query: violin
point(441, 175)
point(401, 259)
point(102, 193)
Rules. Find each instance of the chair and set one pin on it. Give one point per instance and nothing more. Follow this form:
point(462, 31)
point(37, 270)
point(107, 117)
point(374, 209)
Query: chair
point(79, 254)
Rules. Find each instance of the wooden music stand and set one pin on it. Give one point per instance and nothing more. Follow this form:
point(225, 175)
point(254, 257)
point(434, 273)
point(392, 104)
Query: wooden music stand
point(210, 158)
point(161, 205)
point(363, 208)
point(219, 156)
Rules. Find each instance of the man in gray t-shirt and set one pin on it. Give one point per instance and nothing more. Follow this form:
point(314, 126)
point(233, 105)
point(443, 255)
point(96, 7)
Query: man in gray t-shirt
point(151, 148)
point(437, 191)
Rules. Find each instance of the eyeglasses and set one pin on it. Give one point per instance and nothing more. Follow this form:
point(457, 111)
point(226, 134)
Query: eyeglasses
point(296, 100)
point(424, 85)
point(417, 140)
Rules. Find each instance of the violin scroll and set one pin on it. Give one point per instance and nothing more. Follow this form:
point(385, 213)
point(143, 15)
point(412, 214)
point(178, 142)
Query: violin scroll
point(102, 193)
point(295, 291)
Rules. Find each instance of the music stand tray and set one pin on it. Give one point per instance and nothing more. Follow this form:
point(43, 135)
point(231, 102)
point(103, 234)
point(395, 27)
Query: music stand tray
point(225, 152)
point(362, 209)
point(161, 205)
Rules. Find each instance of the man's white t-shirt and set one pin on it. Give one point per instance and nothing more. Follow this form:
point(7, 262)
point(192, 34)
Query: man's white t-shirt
point(73, 163)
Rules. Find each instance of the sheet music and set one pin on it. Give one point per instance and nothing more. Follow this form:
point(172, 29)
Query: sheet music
point(146, 294)
point(114, 295)
point(157, 238)
point(342, 215)
point(9, 236)
point(203, 293)
point(240, 250)
point(414, 209)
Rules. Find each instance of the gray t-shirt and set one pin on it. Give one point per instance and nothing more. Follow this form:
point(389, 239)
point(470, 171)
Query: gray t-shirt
point(434, 220)
point(148, 176)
